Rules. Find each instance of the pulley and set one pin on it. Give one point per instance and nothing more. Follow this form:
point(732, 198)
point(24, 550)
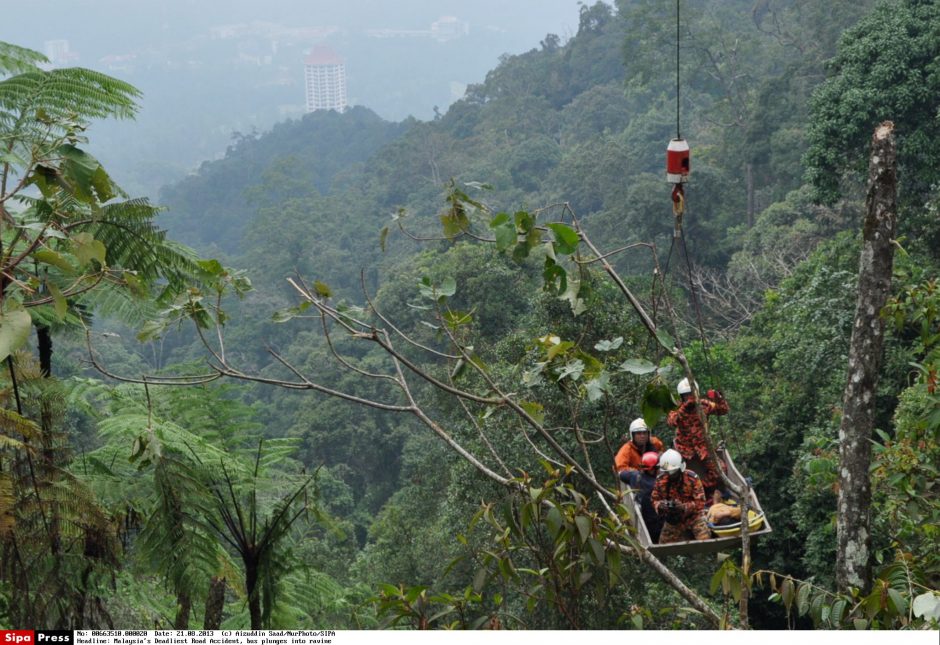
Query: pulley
point(677, 161)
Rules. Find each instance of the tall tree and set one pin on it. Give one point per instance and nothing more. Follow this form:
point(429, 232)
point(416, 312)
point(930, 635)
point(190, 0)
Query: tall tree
point(853, 556)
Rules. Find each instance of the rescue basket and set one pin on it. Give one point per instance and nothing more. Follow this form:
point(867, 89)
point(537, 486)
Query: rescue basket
point(728, 536)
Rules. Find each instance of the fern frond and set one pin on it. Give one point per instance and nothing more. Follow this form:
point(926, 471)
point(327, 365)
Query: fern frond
point(17, 60)
point(75, 504)
point(7, 505)
point(70, 93)
point(12, 422)
point(143, 601)
point(307, 598)
point(86, 394)
point(135, 243)
point(114, 301)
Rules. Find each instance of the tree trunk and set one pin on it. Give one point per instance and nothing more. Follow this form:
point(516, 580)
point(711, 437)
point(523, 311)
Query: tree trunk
point(184, 605)
point(853, 568)
point(254, 594)
point(215, 602)
point(44, 345)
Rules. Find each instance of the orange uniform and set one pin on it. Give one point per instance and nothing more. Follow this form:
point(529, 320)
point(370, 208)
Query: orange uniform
point(629, 456)
point(690, 434)
point(689, 497)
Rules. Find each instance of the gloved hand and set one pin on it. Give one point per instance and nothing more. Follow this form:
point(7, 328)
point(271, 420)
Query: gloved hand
point(670, 511)
point(715, 395)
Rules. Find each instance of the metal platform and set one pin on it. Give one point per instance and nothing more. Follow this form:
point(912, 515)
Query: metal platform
point(690, 547)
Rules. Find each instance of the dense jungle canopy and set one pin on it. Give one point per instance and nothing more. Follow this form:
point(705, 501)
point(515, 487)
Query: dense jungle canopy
point(394, 395)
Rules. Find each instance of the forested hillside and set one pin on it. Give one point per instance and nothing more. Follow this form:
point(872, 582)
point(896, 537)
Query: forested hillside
point(425, 342)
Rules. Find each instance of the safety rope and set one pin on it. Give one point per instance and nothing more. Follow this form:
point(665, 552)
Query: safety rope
point(678, 210)
point(678, 135)
point(698, 315)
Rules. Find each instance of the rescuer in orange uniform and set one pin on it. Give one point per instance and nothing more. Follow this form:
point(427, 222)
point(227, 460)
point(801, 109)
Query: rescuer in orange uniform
point(679, 499)
point(630, 456)
point(690, 434)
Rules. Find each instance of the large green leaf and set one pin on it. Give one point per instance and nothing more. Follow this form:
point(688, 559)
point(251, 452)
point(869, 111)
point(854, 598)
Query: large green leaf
point(455, 221)
point(60, 304)
point(87, 248)
point(566, 238)
point(637, 366)
point(15, 325)
point(448, 287)
point(609, 345)
point(505, 230)
point(665, 339)
point(53, 258)
point(86, 177)
point(534, 410)
point(657, 401)
point(584, 524)
point(596, 387)
point(571, 369)
point(212, 267)
point(554, 521)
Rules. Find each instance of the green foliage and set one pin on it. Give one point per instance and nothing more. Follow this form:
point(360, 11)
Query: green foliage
point(68, 246)
point(886, 69)
point(542, 555)
point(298, 160)
point(31, 98)
point(554, 125)
point(898, 600)
point(418, 608)
point(204, 494)
point(905, 465)
point(553, 547)
point(791, 368)
point(60, 544)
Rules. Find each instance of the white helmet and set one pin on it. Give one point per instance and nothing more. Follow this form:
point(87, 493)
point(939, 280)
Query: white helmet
point(671, 461)
point(638, 425)
point(684, 387)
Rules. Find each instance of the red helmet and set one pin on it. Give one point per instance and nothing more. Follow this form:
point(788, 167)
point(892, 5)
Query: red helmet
point(650, 460)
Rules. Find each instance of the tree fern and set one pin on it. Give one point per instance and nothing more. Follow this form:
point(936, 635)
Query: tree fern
point(79, 245)
point(16, 60)
point(58, 543)
point(72, 93)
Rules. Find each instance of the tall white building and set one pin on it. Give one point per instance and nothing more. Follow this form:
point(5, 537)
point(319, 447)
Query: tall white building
point(59, 53)
point(325, 74)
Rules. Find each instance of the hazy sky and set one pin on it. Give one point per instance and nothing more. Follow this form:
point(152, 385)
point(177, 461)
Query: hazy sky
point(197, 91)
point(95, 25)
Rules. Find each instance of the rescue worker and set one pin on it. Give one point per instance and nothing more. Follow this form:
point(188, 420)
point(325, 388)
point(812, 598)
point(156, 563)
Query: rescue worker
point(679, 499)
point(630, 455)
point(690, 434)
point(642, 481)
